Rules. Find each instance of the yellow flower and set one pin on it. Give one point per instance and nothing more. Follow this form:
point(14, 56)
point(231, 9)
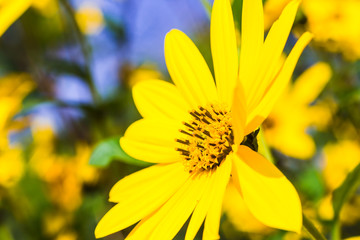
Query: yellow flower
point(141, 73)
point(285, 128)
point(335, 24)
point(90, 19)
point(13, 88)
point(339, 160)
point(10, 11)
point(201, 134)
point(11, 167)
point(64, 175)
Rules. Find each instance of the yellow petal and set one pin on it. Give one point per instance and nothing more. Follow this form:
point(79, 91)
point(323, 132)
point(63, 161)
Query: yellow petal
point(160, 99)
point(238, 113)
point(252, 38)
point(270, 54)
point(216, 186)
point(188, 69)
point(223, 49)
point(139, 195)
point(167, 221)
point(201, 209)
point(239, 214)
point(212, 221)
point(309, 85)
point(152, 140)
point(300, 145)
point(269, 195)
point(149, 177)
point(11, 11)
point(258, 115)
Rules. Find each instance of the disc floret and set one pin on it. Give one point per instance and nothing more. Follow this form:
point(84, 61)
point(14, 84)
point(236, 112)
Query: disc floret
point(207, 138)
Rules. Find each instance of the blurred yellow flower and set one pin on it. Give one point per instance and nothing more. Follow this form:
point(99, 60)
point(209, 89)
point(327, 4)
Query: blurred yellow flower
point(339, 160)
point(335, 24)
point(214, 127)
point(89, 18)
point(141, 73)
point(286, 126)
point(353, 238)
point(64, 175)
point(67, 236)
point(13, 88)
point(54, 223)
point(11, 167)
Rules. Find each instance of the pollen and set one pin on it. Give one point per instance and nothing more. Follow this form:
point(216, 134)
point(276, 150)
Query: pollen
point(207, 138)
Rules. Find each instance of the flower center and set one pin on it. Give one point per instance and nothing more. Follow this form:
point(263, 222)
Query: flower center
point(207, 138)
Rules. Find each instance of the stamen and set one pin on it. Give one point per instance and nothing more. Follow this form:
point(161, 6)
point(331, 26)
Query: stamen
point(183, 142)
point(207, 140)
point(182, 131)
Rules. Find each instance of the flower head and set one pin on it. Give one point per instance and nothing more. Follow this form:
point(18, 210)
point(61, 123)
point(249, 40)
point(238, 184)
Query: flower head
point(285, 128)
point(202, 133)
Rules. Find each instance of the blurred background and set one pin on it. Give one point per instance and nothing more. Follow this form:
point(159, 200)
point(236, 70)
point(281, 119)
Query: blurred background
point(66, 72)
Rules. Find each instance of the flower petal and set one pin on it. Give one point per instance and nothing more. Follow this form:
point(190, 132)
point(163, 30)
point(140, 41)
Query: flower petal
point(269, 195)
point(140, 194)
point(271, 53)
point(252, 38)
point(167, 221)
point(238, 113)
point(188, 69)
point(11, 11)
point(212, 221)
point(260, 113)
point(152, 140)
point(309, 85)
point(145, 179)
point(216, 186)
point(224, 50)
point(160, 99)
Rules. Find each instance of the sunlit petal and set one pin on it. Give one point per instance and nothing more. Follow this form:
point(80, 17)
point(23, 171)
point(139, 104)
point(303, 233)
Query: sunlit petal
point(152, 140)
point(252, 38)
point(167, 221)
point(223, 49)
point(212, 221)
point(259, 114)
point(160, 99)
point(188, 69)
point(238, 114)
point(139, 194)
point(270, 54)
point(269, 195)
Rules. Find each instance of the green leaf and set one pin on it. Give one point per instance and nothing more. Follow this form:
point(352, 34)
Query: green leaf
point(345, 190)
point(109, 150)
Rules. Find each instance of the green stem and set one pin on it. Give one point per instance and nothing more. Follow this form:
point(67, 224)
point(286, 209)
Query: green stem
point(312, 230)
point(85, 48)
point(336, 231)
point(207, 7)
